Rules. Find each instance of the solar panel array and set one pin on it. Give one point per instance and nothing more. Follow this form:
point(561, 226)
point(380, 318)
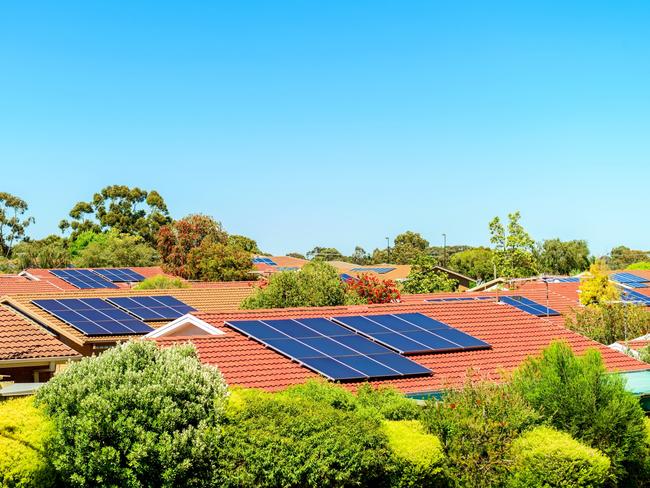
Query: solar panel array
point(458, 299)
point(82, 278)
point(119, 275)
point(288, 268)
point(562, 279)
point(263, 260)
point(163, 307)
point(347, 277)
point(630, 280)
point(329, 349)
point(635, 297)
point(528, 306)
point(93, 316)
point(411, 333)
point(375, 270)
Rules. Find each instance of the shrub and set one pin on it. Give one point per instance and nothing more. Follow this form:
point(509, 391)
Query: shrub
point(135, 416)
point(612, 322)
point(545, 457)
point(577, 395)
point(417, 456)
point(374, 290)
point(317, 284)
point(114, 249)
point(161, 282)
point(215, 261)
point(643, 265)
point(24, 430)
point(477, 426)
point(280, 440)
point(597, 288)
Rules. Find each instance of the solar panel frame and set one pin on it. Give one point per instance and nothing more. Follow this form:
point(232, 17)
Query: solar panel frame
point(331, 350)
point(152, 307)
point(91, 316)
point(84, 279)
point(119, 275)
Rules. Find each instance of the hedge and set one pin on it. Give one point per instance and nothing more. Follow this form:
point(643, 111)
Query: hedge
point(24, 431)
point(545, 457)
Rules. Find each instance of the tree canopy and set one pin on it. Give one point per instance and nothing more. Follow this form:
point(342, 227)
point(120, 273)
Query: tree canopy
point(596, 288)
point(513, 248)
point(621, 257)
point(563, 257)
point(477, 263)
point(13, 222)
point(425, 278)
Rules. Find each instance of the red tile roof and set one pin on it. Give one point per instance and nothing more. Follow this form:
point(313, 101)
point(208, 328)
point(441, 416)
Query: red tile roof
point(513, 335)
point(21, 339)
point(21, 284)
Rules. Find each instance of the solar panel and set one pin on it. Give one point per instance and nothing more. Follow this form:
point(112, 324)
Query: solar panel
point(82, 278)
point(93, 316)
point(375, 270)
point(119, 275)
point(562, 279)
point(411, 333)
point(329, 349)
point(635, 297)
point(288, 268)
point(163, 307)
point(457, 299)
point(628, 278)
point(347, 277)
point(528, 306)
point(264, 260)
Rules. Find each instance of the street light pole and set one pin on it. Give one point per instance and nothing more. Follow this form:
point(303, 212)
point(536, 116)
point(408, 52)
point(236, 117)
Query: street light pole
point(444, 250)
point(388, 249)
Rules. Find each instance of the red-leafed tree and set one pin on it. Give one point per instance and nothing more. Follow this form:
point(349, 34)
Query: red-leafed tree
point(374, 290)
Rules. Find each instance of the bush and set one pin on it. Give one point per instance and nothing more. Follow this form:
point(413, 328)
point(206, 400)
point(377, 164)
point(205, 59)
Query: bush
point(609, 323)
point(374, 290)
point(477, 426)
point(24, 430)
point(597, 289)
point(161, 282)
point(642, 265)
point(417, 456)
point(577, 395)
point(113, 249)
point(283, 440)
point(135, 416)
point(545, 457)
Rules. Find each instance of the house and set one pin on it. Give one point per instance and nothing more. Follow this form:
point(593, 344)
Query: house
point(489, 337)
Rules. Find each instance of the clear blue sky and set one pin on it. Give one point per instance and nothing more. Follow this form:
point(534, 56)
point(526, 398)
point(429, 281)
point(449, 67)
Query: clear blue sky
point(336, 123)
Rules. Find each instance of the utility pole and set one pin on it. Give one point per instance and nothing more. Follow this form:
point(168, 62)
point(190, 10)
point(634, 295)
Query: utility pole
point(444, 250)
point(388, 249)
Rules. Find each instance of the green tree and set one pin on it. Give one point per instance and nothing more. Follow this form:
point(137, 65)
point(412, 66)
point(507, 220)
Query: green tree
point(360, 256)
point(245, 243)
point(317, 284)
point(597, 288)
point(563, 257)
point(214, 261)
point(513, 248)
point(425, 278)
point(135, 416)
point(325, 254)
point(13, 222)
point(117, 207)
point(578, 395)
point(641, 265)
point(621, 257)
point(50, 252)
point(296, 255)
point(476, 263)
point(608, 323)
point(407, 247)
point(161, 282)
point(116, 250)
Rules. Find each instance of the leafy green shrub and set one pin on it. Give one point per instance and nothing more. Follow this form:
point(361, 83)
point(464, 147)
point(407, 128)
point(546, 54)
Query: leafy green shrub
point(643, 265)
point(577, 395)
point(24, 430)
point(284, 440)
point(115, 249)
point(417, 456)
point(609, 323)
point(161, 282)
point(477, 426)
point(545, 457)
point(135, 416)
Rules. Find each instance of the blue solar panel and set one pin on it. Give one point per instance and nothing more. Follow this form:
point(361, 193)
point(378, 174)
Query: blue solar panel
point(82, 278)
point(346, 277)
point(93, 316)
point(411, 333)
point(163, 307)
point(635, 297)
point(528, 306)
point(329, 349)
point(263, 260)
point(375, 270)
point(562, 279)
point(119, 275)
point(628, 278)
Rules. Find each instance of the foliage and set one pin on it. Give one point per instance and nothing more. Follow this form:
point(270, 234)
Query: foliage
point(425, 278)
point(317, 284)
point(125, 210)
point(372, 289)
point(161, 282)
point(577, 395)
point(513, 248)
point(407, 247)
point(283, 440)
point(245, 243)
point(175, 241)
point(620, 257)
point(296, 255)
point(324, 254)
point(114, 250)
point(597, 288)
point(214, 261)
point(641, 265)
point(24, 431)
point(50, 252)
point(135, 416)
point(417, 455)
point(476, 263)
point(644, 355)
point(360, 256)
point(546, 457)
point(563, 257)
point(477, 425)
point(13, 222)
point(610, 323)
